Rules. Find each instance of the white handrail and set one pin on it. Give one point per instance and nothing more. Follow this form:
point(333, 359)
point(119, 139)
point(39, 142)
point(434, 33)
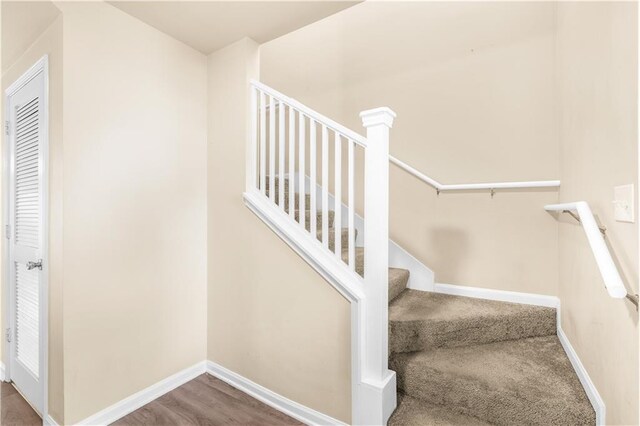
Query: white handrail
point(441, 187)
point(608, 270)
point(359, 139)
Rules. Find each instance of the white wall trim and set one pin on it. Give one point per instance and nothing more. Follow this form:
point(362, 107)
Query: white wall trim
point(145, 396)
point(499, 295)
point(155, 391)
point(40, 67)
point(272, 399)
point(49, 421)
point(1, 371)
point(588, 385)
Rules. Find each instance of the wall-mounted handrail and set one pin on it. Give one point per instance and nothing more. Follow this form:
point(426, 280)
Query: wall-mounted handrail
point(608, 270)
point(441, 187)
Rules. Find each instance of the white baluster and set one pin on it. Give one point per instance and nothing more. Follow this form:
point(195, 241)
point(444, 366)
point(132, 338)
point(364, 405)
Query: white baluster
point(337, 223)
point(325, 187)
point(281, 155)
point(301, 168)
point(376, 239)
point(312, 174)
point(252, 145)
point(351, 196)
point(263, 143)
point(292, 160)
point(272, 149)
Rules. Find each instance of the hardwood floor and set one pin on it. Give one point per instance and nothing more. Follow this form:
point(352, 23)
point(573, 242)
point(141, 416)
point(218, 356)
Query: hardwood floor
point(206, 401)
point(14, 410)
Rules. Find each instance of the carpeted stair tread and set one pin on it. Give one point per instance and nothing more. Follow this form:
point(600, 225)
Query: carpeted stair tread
point(277, 184)
point(421, 320)
point(276, 195)
point(307, 223)
point(512, 382)
point(414, 412)
point(332, 237)
point(359, 252)
point(398, 279)
point(296, 202)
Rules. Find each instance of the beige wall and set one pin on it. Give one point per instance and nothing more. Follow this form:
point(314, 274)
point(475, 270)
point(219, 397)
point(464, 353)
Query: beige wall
point(597, 56)
point(271, 319)
point(473, 87)
point(521, 91)
point(48, 43)
point(24, 22)
point(134, 207)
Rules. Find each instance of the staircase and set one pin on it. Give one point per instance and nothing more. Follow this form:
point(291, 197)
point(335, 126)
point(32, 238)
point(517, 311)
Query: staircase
point(464, 361)
point(435, 359)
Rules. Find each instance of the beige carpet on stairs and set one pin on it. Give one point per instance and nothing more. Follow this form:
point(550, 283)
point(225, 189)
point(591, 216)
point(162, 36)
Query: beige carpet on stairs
point(464, 361)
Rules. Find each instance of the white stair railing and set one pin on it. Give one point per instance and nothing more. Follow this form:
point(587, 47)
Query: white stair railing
point(278, 119)
point(289, 156)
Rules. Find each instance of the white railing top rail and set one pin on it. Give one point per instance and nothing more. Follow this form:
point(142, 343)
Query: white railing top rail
point(336, 127)
point(441, 187)
point(608, 270)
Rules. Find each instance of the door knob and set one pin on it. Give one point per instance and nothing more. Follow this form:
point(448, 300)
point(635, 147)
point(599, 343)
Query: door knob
point(33, 265)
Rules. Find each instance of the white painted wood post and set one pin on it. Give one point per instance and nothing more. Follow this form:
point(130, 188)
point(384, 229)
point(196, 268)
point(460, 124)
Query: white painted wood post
point(376, 241)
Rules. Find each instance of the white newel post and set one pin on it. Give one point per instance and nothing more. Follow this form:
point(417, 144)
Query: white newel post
point(376, 262)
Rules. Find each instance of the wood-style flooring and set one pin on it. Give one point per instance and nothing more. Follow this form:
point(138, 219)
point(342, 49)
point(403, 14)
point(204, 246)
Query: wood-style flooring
point(206, 400)
point(14, 410)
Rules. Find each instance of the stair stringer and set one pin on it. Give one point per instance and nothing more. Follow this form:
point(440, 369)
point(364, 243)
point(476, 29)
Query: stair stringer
point(372, 402)
point(421, 277)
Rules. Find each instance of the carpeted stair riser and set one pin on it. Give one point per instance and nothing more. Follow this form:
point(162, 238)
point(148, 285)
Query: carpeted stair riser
point(359, 252)
point(277, 185)
point(307, 215)
point(415, 412)
point(276, 196)
point(526, 381)
point(398, 278)
point(423, 321)
point(307, 221)
point(332, 238)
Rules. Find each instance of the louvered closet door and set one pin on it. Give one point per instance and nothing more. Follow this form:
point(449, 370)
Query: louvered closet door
point(26, 198)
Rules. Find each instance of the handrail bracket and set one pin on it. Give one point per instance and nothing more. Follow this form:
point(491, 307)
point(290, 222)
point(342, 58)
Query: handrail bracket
point(603, 229)
point(634, 298)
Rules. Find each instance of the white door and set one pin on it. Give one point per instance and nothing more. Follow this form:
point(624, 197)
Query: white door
point(27, 131)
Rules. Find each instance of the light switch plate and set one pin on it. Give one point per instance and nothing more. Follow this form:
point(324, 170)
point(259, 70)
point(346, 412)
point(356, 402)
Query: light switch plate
point(623, 203)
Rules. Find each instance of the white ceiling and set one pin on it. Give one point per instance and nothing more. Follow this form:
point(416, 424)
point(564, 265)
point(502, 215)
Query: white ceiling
point(22, 23)
point(210, 25)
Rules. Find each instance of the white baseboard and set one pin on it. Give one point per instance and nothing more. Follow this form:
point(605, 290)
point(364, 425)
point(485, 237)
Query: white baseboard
point(500, 295)
point(583, 376)
point(279, 402)
point(1, 371)
point(145, 396)
point(49, 421)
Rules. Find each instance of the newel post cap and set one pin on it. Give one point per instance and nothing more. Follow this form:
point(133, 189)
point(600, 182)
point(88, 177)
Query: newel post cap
point(376, 116)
